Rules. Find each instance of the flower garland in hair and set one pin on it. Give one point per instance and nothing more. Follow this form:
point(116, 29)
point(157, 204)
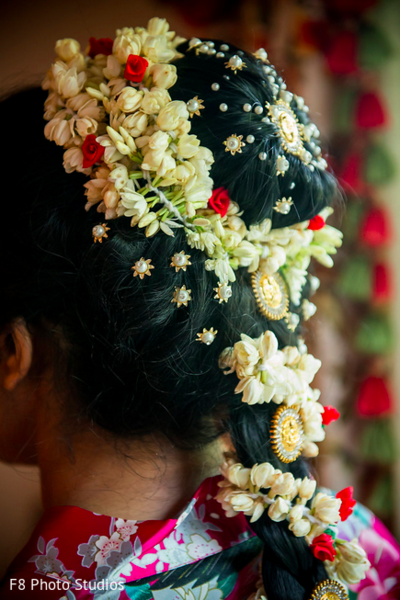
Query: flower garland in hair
point(264, 488)
point(111, 111)
point(282, 376)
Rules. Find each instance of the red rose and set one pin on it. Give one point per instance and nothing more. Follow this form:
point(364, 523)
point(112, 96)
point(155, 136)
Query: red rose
point(348, 502)
point(330, 414)
point(135, 68)
point(219, 201)
point(92, 151)
point(316, 223)
point(100, 46)
point(322, 547)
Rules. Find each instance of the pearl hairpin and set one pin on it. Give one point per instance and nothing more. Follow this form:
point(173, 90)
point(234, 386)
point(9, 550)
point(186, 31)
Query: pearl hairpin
point(223, 107)
point(142, 267)
point(215, 87)
point(180, 260)
point(182, 296)
point(99, 232)
point(234, 144)
point(235, 63)
point(207, 336)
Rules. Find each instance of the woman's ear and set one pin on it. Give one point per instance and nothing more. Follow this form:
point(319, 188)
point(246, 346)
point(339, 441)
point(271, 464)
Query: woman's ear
point(16, 354)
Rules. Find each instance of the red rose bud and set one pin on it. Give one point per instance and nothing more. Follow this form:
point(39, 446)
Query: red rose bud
point(92, 151)
point(219, 201)
point(322, 547)
point(100, 46)
point(135, 68)
point(330, 414)
point(348, 502)
point(316, 223)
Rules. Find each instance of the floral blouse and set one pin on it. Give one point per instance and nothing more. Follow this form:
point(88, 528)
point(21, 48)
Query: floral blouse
point(75, 554)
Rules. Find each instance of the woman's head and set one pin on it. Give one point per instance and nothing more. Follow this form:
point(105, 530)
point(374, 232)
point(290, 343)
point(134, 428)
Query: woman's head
point(124, 355)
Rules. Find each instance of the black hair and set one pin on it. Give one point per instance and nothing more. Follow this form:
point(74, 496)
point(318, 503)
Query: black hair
point(130, 355)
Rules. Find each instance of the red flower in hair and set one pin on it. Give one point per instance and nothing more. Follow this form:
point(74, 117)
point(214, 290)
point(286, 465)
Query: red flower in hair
point(135, 68)
point(348, 502)
point(316, 223)
point(100, 46)
point(330, 414)
point(92, 151)
point(219, 201)
point(322, 547)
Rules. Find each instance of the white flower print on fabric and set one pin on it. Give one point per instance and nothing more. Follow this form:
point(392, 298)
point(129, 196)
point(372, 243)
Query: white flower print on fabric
point(125, 528)
point(105, 546)
point(199, 547)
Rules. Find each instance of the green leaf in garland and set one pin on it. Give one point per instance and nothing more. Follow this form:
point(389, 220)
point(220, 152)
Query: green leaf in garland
point(354, 212)
point(355, 279)
point(379, 167)
point(344, 110)
point(377, 442)
point(381, 499)
point(374, 47)
point(375, 335)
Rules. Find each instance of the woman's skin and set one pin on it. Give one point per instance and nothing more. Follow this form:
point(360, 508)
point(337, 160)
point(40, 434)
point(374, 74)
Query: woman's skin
point(80, 463)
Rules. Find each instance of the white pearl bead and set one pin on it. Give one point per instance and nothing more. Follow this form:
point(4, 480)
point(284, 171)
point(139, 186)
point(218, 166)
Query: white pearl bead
point(98, 231)
point(306, 156)
point(207, 338)
point(215, 87)
point(232, 143)
point(284, 208)
point(179, 260)
point(267, 69)
point(282, 163)
point(266, 120)
point(283, 85)
point(211, 44)
point(182, 296)
point(223, 107)
point(274, 88)
point(262, 156)
point(250, 139)
point(204, 48)
point(235, 61)
point(192, 105)
point(247, 107)
point(211, 51)
point(292, 185)
point(224, 47)
point(258, 110)
point(194, 42)
point(220, 55)
point(225, 291)
point(141, 266)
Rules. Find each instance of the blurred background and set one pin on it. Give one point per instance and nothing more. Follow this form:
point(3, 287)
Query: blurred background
point(343, 56)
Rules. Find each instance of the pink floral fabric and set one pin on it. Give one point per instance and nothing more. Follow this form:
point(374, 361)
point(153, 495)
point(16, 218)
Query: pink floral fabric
point(75, 554)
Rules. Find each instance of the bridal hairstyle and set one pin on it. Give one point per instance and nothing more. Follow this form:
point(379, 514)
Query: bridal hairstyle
point(126, 354)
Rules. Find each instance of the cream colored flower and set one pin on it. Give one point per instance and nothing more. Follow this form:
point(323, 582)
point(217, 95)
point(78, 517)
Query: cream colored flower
point(282, 485)
point(119, 176)
point(158, 141)
point(68, 82)
point(312, 421)
point(278, 510)
point(86, 126)
point(188, 146)
point(300, 528)
point(129, 100)
point(157, 26)
point(164, 76)
point(238, 475)
point(352, 564)
point(124, 45)
point(155, 100)
point(73, 161)
point(58, 130)
point(67, 48)
point(156, 49)
point(258, 510)
point(136, 123)
point(310, 449)
point(307, 488)
point(261, 474)
point(242, 502)
point(86, 107)
point(326, 509)
point(170, 116)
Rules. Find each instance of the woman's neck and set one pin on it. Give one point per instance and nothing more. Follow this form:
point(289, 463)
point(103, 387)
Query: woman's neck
point(139, 480)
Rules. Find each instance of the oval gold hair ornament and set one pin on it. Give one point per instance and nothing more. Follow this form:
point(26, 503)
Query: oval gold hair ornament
point(271, 294)
point(329, 589)
point(287, 434)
